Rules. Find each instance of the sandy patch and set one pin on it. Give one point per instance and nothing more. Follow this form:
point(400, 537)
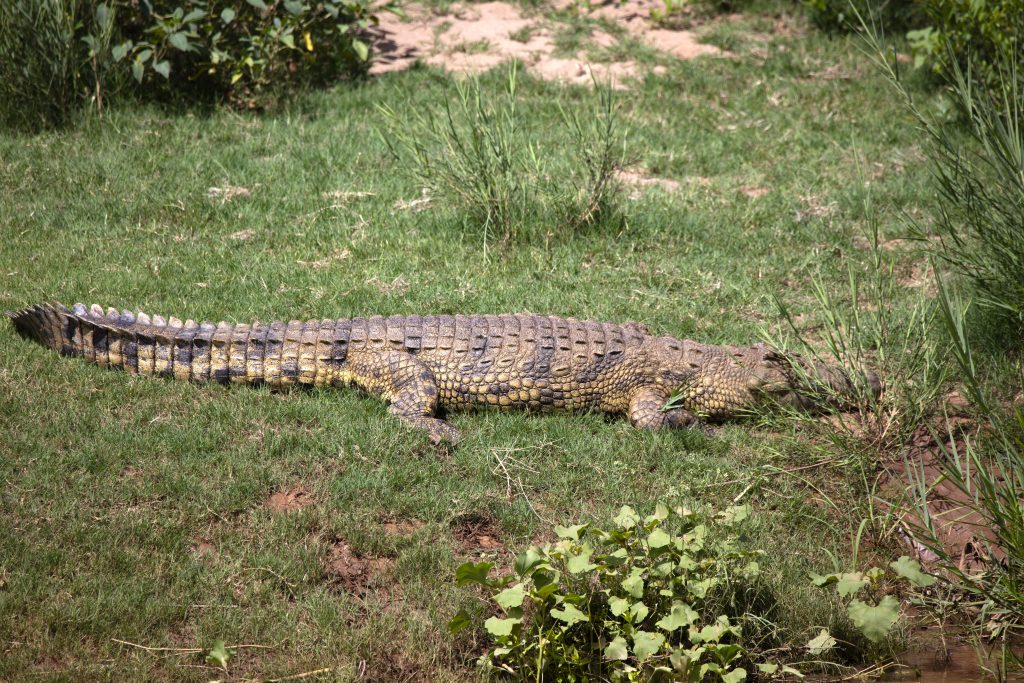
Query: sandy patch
point(477, 37)
point(476, 533)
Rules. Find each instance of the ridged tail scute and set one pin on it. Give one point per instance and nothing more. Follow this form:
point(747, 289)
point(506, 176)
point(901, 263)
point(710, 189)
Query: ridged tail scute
point(132, 341)
point(278, 354)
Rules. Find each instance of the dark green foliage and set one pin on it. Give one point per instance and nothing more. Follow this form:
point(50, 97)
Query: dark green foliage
point(58, 55)
point(840, 16)
point(240, 49)
point(986, 34)
point(44, 68)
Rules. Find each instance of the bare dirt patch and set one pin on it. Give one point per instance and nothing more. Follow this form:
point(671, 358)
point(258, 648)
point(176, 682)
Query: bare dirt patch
point(353, 572)
point(477, 533)
point(477, 37)
point(394, 526)
point(285, 500)
point(640, 182)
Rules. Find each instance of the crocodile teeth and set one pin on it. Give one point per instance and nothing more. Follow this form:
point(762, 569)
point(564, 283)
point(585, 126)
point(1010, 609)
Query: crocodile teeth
point(159, 321)
point(207, 326)
point(222, 325)
point(174, 322)
point(127, 317)
point(190, 324)
point(79, 309)
point(96, 310)
point(113, 314)
point(144, 319)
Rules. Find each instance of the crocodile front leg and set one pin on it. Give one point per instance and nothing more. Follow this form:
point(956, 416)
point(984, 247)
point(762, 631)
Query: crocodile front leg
point(407, 383)
point(645, 411)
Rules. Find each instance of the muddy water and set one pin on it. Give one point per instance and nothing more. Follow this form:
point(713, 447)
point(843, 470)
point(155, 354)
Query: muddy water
point(961, 666)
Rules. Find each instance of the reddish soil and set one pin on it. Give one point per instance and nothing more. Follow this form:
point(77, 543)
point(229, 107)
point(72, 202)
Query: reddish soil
point(401, 527)
point(477, 533)
point(285, 500)
point(355, 573)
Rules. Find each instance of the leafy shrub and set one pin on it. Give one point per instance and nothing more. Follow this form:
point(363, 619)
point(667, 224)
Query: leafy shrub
point(986, 34)
point(841, 16)
point(56, 55)
point(241, 48)
point(979, 177)
point(476, 155)
point(43, 65)
point(665, 593)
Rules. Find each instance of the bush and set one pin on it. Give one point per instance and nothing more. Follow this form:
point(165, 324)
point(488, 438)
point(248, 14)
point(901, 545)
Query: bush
point(667, 593)
point(477, 155)
point(980, 179)
point(57, 55)
point(986, 34)
point(841, 16)
point(43, 65)
point(240, 49)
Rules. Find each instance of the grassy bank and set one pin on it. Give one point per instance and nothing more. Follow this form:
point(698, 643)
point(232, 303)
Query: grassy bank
point(142, 510)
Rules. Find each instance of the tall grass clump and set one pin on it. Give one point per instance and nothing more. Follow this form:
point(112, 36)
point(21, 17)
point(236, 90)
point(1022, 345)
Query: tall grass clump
point(478, 153)
point(43, 66)
point(978, 165)
point(987, 470)
point(870, 324)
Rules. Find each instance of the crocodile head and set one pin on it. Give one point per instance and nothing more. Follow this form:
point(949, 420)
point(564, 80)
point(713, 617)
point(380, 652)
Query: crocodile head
point(793, 380)
point(721, 381)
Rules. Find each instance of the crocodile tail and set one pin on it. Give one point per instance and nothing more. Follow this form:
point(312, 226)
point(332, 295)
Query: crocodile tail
point(277, 354)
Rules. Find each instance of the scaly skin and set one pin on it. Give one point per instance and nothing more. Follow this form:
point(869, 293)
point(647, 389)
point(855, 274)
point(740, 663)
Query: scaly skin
point(423, 364)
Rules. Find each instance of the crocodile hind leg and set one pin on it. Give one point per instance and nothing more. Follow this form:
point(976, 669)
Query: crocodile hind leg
point(407, 383)
point(645, 411)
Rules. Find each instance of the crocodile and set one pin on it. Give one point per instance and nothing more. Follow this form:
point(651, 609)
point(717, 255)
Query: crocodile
point(424, 365)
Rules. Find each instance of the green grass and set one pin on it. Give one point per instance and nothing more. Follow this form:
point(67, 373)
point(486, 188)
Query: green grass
point(110, 482)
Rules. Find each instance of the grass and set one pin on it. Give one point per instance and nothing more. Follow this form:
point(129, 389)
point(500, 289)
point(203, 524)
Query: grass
point(135, 509)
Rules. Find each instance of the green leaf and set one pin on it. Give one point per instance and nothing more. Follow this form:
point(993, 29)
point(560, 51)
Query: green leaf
point(570, 532)
point(459, 622)
point(646, 644)
point(179, 41)
point(294, 7)
point(768, 668)
point(658, 539)
point(526, 561)
point(821, 643)
point(362, 50)
point(581, 563)
point(569, 614)
point(791, 671)
point(874, 621)
point(680, 616)
point(194, 15)
point(822, 581)
point(469, 572)
point(138, 70)
point(144, 55)
point(258, 4)
point(617, 650)
point(163, 68)
point(119, 52)
point(288, 39)
point(911, 571)
point(627, 517)
point(219, 655)
point(850, 584)
point(618, 605)
point(639, 611)
point(734, 515)
point(500, 627)
point(735, 676)
point(102, 15)
point(634, 585)
point(661, 513)
point(227, 15)
point(510, 597)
